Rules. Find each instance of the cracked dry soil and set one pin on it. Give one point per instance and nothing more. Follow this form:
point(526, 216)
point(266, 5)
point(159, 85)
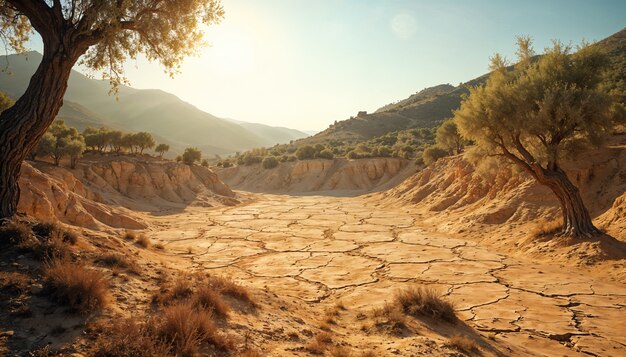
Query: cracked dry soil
point(319, 250)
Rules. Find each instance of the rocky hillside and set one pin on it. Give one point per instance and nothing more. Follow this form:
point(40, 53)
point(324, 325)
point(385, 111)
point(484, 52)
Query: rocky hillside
point(341, 176)
point(429, 107)
point(115, 190)
point(459, 197)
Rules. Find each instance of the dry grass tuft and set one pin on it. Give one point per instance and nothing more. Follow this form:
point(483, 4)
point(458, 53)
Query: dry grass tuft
point(462, 343)
point(50, 228)
point(15, 232)
point(228, 287)
point(250, 353)
point(319, 343)
point(188, 329)
point(425, 302)
point(129, 235)
point(82, 289)
point(207, 299)
point(547, 228)
point(13, 282)
point(339, 351)
point(129, 339)
point(143, 241)
point(114, 260)
point(390, 318)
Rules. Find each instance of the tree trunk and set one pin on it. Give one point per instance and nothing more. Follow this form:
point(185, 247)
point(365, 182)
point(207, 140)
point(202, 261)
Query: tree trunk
point(576, 219)
point(22, 125)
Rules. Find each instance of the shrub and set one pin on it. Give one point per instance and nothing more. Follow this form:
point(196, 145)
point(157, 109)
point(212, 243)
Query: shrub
point(325, 154)
point(82, 289)
point(353, 155)
point(191, 156)
point(433, 153)
point(270, 162)
point(318, 344)
point(47, 229)
point(306, 152)
point(390, 318)
point(204, 163)
point(425, 302)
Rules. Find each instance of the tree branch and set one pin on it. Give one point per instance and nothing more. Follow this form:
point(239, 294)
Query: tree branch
point(38, 13)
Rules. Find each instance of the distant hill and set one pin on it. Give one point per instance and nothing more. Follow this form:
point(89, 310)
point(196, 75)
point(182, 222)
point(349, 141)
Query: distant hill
point(429, 107)
point(166, 116)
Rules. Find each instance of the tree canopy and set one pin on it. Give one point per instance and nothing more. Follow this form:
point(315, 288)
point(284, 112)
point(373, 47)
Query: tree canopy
point(540, 110)
point(111, 32)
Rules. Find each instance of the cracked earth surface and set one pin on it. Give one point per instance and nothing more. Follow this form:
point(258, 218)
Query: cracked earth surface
point(325, 249)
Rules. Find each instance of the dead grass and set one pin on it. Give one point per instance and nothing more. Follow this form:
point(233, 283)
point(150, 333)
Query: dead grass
point(228, 287)
point(188, 329)
point(13, 282)
point(390, 319)
point(129, 339)
point(50, 228)
point(143, 241)
point(250, 353)
point(83, 289)
point(425, 302)
point(114, 260)
point(14, 232)
point(130, 235)
point(339, 351)
point(547, 228)
point(319, 343)
point(462, 343)
point(208, 299)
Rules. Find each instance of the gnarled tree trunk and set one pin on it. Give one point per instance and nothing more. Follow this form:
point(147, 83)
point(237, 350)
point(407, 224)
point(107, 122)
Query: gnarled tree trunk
point(576, 219)
point(22, 125)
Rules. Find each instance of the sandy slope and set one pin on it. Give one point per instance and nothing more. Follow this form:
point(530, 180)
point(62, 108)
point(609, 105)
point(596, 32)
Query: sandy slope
point(315, 251)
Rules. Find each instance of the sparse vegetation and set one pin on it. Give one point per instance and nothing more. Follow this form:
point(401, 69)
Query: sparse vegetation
point(191, 156)
point(462, 343)
point(270, 162)
point(83, 289)
point(547, 228)
point(319, 343)
point(425, 302)
point(116, 260)
point(143, 241)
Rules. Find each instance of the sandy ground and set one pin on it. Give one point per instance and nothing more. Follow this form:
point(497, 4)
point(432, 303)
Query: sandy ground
point(315, 251)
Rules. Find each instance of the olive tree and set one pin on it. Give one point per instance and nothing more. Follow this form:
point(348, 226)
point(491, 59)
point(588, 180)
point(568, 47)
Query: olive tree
point(448, 137)
point(537, 112)
point(161, 149)
point(105, 34)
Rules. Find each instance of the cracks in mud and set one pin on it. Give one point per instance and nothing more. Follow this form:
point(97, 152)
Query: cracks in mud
point(461, 265)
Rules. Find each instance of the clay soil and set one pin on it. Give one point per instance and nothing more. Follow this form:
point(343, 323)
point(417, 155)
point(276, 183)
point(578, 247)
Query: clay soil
point(315, 253)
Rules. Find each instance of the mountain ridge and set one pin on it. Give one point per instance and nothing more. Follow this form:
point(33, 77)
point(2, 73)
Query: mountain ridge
point(87, 103)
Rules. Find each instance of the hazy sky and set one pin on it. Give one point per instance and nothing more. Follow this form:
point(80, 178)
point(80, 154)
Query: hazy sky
point(304, 64)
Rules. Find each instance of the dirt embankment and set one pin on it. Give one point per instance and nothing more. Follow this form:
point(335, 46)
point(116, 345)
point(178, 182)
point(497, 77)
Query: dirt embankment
point(503, 206)
point(334, 177)
point(109, 190)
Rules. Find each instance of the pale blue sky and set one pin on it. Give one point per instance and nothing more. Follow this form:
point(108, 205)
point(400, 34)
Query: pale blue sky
point(304, 64)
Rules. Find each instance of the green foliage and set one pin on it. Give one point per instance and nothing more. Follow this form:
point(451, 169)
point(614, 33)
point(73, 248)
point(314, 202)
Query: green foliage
point(306, 152)
point(204, 163)
point(433, 153)
point(325, 154)
point(191, 156)
point(60, 141)
point(161, 149)
point(5, 102)
point(448, 137)
point(270, 162)
point(541, 109)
